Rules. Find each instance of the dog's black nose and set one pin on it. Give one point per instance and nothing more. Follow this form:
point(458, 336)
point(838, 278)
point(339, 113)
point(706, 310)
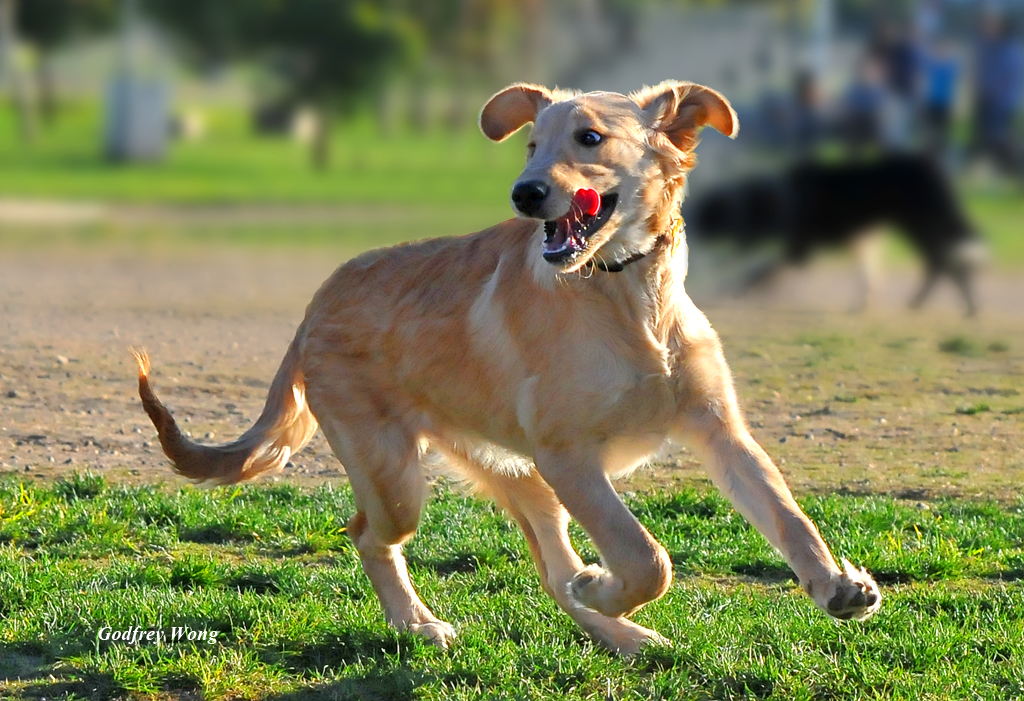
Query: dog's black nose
point(529, 196)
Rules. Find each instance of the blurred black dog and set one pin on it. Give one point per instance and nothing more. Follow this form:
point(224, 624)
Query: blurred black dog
point(815, 205)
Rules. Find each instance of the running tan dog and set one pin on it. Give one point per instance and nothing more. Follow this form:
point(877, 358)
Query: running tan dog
point(540, 357)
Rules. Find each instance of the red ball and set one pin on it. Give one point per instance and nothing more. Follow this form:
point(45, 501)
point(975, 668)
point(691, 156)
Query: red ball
point(589, 201)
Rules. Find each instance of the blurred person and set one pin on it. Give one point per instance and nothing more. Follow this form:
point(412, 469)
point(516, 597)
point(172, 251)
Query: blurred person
point(808, 123)
point(928, 19)
point(863, 108)
point(898, 51)
point(941, 73)
point(901, 55)
point(999, 84)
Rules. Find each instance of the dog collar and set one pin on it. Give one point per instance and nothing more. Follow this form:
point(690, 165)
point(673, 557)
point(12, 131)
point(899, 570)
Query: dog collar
point(620, 265)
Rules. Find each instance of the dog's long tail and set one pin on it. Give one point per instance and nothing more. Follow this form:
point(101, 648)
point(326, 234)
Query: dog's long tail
point(285, 425)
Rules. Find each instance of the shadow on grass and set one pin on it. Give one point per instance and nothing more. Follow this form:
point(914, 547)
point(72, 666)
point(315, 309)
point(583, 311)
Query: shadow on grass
point(387, 679)
point(102, 687)
point(766, 572)
point(33, 663)
point(744, 684)
point(400, 683)
point(22, 661)
point(336, 651)
point(741, 685)
point(217, 534)
point(463, 562)
point(393, 685)
point(891, 577)
point(91, 686)
point(1014, 575)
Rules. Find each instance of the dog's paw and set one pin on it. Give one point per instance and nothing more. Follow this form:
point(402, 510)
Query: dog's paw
point(595, 587)
point(627, 638)
point(852, 594)
point(437, 633)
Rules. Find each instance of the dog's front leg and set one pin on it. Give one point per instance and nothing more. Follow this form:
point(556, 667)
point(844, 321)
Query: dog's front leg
point(746, 475)
point(636, 569)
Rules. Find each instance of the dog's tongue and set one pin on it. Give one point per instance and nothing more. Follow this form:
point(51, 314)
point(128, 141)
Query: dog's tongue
point(589, 201)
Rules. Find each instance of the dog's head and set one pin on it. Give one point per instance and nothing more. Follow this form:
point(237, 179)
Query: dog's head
point(633, 151)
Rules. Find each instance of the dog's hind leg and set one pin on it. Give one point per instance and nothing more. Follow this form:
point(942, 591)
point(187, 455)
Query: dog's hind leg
point(931, 277)
point(534, 505)
point(382, 460)
point(635, 568)
point(867, 248)
point(962, 276)
point(962, 263)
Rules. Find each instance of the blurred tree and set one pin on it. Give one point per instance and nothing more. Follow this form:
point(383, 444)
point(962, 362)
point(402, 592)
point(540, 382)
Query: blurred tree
point(47, 25)
point(443, 23)
point(11, 73)
point(212, 33)
point(337, 52)
point(464, 42)
point(332, 53)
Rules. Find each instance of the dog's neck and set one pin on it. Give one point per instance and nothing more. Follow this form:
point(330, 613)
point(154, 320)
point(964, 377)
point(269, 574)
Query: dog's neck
point(663, 240)
point(620, 265)
point(649, 290)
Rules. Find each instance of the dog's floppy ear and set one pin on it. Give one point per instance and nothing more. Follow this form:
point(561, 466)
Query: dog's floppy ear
point(510, 109)
point(680, 109)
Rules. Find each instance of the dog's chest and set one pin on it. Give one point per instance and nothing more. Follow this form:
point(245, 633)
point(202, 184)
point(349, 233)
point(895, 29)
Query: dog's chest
point(576, 371)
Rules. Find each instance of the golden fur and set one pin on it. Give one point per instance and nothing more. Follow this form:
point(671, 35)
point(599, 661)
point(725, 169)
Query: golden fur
point(536, 381)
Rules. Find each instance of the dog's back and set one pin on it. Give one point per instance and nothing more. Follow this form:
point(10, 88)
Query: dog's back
point(814, 205)
point(833, 203)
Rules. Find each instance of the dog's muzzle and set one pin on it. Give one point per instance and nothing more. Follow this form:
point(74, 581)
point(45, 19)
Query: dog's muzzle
point(568, 236)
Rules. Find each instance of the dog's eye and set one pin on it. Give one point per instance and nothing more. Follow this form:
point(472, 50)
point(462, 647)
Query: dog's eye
point(588, 137)
point(530, 149)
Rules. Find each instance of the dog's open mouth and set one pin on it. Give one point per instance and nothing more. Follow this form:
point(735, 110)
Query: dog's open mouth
point(568, 236)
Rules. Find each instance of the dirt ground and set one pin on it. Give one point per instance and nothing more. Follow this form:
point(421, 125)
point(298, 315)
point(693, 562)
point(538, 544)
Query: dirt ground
point(861, 403)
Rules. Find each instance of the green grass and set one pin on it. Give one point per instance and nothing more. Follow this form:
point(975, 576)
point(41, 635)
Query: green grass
point(960, 345)
point(972, 409)
point(231, 165)
point(270, 571)
point(998, 216)
point(383, 190)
